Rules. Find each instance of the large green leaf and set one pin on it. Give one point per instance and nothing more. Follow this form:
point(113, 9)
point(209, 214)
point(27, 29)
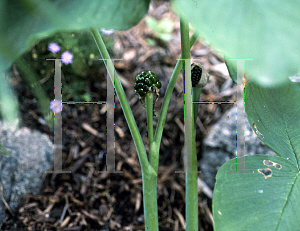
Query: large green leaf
point(274, 115)
point(257, 201)
point(266, 31)
point(268, 198)
point(24, 22)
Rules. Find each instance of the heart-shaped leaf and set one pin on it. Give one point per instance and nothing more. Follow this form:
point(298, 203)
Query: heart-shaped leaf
point(268, 198)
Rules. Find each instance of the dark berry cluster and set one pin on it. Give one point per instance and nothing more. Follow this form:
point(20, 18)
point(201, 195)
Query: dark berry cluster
point(196, 75)
point(146, 82)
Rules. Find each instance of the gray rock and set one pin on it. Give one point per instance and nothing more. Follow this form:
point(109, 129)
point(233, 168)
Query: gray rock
point(31, 153)
point(220, 145)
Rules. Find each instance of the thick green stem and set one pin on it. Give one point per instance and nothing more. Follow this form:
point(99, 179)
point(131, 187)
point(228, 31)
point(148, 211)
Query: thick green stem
point(149, 174)
point(191, 158)
point(150, 199)
point(150, 177)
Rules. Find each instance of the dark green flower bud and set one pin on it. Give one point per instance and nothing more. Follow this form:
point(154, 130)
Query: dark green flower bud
point(146, 82)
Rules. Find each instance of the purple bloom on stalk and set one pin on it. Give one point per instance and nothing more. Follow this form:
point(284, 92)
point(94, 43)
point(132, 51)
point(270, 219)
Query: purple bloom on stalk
point(56, 106)
point(53, 47)
point(107, 32)
point(67, 57)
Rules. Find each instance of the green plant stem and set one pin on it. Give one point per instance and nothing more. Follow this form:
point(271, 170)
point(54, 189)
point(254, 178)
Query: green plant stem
point(196, 96)
point(153, 148)
point(149, 112)
point(168, 94)
point(123, 100)
point(191, 158)
point(149, 175)
point(149, 180)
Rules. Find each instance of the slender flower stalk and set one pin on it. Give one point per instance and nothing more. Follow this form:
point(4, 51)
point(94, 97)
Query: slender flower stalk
point(149, 109)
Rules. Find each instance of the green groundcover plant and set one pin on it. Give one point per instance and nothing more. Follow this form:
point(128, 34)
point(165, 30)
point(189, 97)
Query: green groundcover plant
point(268, 32)
point(162, 29)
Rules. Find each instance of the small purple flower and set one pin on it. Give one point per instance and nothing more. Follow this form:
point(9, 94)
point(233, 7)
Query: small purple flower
point(107, 32)
point(53, 47)
point(67, 57)
point(56, 106)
